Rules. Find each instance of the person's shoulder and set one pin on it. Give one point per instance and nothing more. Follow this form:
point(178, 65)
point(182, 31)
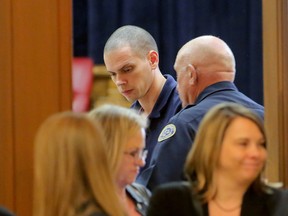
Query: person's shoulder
point(184, 119)
point(173, 198)
point(98, 214)
point(178, 187)
point(141, 189)
point(277, 201)
point(279, 194)
point(189, 114)
point(139, 192)
point(5, 212)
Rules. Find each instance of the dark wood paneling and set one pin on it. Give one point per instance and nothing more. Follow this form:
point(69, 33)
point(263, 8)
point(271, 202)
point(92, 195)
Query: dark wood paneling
point(284, 146)
point(6, 108)
point(35, 81)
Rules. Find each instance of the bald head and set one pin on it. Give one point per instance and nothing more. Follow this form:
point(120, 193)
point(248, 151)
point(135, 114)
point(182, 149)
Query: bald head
point(208, 54)
point(135, 37)
point(202, 62)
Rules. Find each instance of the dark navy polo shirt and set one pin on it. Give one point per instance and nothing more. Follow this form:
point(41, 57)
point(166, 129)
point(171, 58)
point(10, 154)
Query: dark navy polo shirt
point(166, 106)
point(170, 153)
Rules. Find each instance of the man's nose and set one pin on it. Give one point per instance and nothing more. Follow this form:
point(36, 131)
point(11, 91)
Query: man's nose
point(120, 79)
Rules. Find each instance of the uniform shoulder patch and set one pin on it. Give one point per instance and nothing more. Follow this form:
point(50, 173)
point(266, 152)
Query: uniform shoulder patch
point(167, 132)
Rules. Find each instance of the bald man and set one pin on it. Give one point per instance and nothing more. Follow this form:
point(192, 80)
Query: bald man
point(205, 68)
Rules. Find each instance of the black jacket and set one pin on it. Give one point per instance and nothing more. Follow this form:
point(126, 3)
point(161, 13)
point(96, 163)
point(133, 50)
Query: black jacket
point(175, 199)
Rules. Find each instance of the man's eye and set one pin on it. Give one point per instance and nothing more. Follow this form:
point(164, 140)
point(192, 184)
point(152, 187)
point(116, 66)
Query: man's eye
point(112, 74)
point(127, 69)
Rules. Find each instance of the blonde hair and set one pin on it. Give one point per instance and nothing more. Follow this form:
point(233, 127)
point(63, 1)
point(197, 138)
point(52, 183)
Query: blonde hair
point(203, 157)
point(119, 124)
point(71, 168)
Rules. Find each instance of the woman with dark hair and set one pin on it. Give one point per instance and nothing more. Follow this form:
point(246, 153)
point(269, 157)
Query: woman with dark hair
point(224, 170)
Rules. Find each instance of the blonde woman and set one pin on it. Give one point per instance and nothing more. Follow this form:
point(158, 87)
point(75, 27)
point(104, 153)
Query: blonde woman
point(124, 130)
point(224, 169)
point(72, 175)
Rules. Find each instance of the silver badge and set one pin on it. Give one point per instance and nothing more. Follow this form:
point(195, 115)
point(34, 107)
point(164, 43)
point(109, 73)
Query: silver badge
point(167, 132)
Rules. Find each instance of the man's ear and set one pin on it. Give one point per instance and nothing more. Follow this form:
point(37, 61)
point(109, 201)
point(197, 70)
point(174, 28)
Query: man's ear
point(153, 59)
point(192, 74)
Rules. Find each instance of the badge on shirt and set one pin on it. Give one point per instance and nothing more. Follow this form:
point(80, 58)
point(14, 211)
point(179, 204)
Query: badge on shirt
point(167, 132)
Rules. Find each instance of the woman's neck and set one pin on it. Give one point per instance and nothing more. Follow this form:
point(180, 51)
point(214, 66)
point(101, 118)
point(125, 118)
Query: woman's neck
point(228, 197)
point(121, 192)
point(127, 202)
point(229, 190)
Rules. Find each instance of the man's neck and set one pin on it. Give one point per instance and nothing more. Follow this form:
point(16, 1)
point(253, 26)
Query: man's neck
point(148, 101)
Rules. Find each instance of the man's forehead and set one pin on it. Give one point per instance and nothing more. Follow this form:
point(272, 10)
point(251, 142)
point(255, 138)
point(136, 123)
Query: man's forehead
point(118, 59)
point(119, 49)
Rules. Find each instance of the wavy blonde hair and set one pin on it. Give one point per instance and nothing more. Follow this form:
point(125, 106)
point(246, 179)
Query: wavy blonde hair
point(204, 155)
point(71, 168)
point(119, 124)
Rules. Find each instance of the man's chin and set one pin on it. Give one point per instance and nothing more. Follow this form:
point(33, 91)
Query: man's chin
point(131, 100)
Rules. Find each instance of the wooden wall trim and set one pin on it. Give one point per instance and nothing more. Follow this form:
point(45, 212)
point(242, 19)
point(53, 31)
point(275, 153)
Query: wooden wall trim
point(35, 81)
point(65, 45)
point(6, 108)
point(284, 38)
point(275, 87)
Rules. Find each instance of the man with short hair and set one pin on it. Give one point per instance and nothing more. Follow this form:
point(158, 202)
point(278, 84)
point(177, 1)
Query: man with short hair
point(131, 57)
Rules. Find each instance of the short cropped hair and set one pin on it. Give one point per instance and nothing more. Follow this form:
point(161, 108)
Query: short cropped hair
point(137, 38)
